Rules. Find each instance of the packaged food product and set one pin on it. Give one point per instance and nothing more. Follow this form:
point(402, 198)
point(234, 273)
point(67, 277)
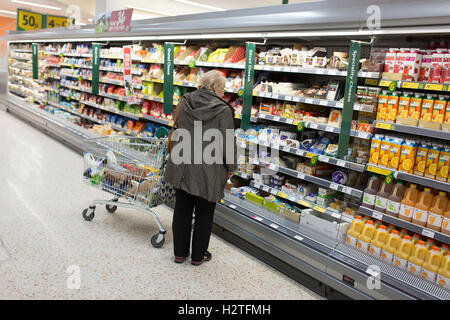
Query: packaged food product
point(403, 253)
point(425, 65)
point(381, 199)
point(392, 244)
point(421, 159)
point(417, 258)
point(407, 156)
point(378, 241)
point(394, 153)
point(427, 108)
point(375, 148)
point(439, 109)
point(443, 276)
point(445, 74)
point(443, 164)
point(432, 161)
point(382, 105)
point(420, 214)
point(389, 62)
point(437, 62)
point(353, 232)
point(411, 65)
point(395, 198)
point(432, 264)
point(366, 236)
point(437, 211)
point(403, 105)
point(370, 191)
point(335, 118)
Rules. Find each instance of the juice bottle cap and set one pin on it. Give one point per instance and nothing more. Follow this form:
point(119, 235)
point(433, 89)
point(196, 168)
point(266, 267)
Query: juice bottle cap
point(430, 240)
point(370, 222)
point(358, 217)
point(382, 227)
point(404, 230)
point(421, 242)
point(427, 189)
point(407, 237)
point(395, 232)
point(442, 193)
point(444, 245)
point(436, 249)
point(416, 235)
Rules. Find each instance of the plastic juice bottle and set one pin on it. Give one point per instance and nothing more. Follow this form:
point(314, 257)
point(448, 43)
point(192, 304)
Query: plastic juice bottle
point(427, 108)
point(443, 276)
point(403, 253)
point(417, 259)
point(366, 236)
point(394, 153)
point(422, 206)
point(446, 220)
point(392, 107)
point(394, 200)
point(390, 227)
point(403, 105)
point(403, 232)
point(437, 211)
point(432, 264)
point(381, 198)
point(407, 156)
point(415, 106)
point(439, 109)
point(382, 105)
point(353, 232)
point(391, 246)
point(430, 243)
point(421, 159)
point(378, 241)
point(444, 249)
point(409, 201)
point(383, 160)
point(443, 164)
point(370, 191)
point(415, 238)
point(432, 161)
point(378, 223)
point(375, 146)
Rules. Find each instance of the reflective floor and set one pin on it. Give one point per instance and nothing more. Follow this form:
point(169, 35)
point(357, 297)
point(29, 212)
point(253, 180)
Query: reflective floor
point(47, 250)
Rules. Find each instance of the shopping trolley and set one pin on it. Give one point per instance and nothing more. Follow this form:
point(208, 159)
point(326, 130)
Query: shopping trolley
point(130, 168)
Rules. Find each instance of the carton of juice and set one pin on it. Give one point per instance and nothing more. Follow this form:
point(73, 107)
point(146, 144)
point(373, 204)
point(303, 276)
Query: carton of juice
point(400, 60)
point(394, 153)
point(392, 107)
point(432, 161)
point(446, 124)
point(384, 152)
point(421, 159)
point(411, 65)
point(403, 105)
point(382, 105)
point(445, 75)
point(425, 65)
point(415, 107)
point(408, 156)
point(375, 146)
point(389, 62)
point(439, 109)
point(437, 61)
point(427, 108)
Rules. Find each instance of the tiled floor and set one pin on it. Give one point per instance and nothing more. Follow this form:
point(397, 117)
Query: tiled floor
point(48, 249)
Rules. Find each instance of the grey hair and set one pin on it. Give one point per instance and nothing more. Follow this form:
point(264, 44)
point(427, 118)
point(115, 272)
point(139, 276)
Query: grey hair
point(212, 79)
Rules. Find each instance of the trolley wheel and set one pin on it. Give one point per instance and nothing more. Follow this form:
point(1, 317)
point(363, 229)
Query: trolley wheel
point(88, 214)
point(157, 240)
point(111, 209)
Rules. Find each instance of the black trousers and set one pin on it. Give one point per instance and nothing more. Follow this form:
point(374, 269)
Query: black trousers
point(182, 223)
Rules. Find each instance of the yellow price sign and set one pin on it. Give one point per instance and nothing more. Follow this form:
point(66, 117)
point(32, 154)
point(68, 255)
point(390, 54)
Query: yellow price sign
point(282, 194)
point(382, 125)
point(432, 86)
point(381, 171)
point(59, 21)
point(410, 85)
point(28, 20)
point(320, 209)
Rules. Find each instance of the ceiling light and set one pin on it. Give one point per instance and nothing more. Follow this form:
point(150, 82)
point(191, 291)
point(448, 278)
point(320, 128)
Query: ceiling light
point(36, 4)
point(150, 10)
point(192, 3)
point(8, 12)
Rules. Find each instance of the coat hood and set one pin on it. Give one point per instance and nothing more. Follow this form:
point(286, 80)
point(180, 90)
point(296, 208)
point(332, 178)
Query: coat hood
point(204, 104)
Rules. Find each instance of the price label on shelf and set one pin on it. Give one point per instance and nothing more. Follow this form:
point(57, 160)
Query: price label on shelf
point(264, 188)
point(382, 125)
point(288, 98)
point(301, 176)
point(377, 215)
point(258, 218)
point(428, 233)
point(297, 99)
point(319, 209)
point(289, 121)
point(273, 167)
point(320, 71)
point(324, 158)
point(282, 195)
point(276, 118)
point(298, 237)
point(323, 102)
point(304, 203)
point(339, 105)
point(292, 199)
point(275, 96)
point(433, 86)
point(334, 186)
point(273, 225)
point(332, 72)
point(313, 125)
point(341, 163)
point(336, 215)
point(309, 100)
point(232, 206)
point(329, 129)
point(277, 68)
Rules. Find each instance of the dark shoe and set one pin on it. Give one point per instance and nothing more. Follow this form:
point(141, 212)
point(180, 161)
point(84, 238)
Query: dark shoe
point(207, 257)
point(179, 259)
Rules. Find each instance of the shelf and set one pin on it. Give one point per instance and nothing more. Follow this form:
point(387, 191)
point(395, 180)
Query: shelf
point(308, 154)
point(413, 130)
point(445, 186)
point(113, 96)
point(405, 224)
point(51, 90)
point(119, 70)
point(82, 55)
point(299, 200)
point(134, 58)
point(157, 99)
point(313, 125)
point(76, 112)
point(21, 59)
point(53, 77)
point(77, 88)
point(75, 76)
point(243, 175)
point(316, 180)
point(220, 65)
point(119, 83)
point(441, 87)
point(21, 50)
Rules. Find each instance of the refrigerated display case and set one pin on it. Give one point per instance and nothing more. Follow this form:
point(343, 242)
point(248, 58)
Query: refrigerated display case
point(304, 152)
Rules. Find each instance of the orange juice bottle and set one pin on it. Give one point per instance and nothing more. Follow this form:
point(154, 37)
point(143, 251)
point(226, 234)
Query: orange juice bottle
point(415, 238)
point(394, 153)
point(447, 117)
point(444, 249)
point(375, 146)
point(409, 201)
point(378, 241)
point(432, 264)
point(392, 107)
point(439, 109)
point(366, 236)
point(353, 232)
point(432, 161)
point(421, 159)
point(403, 253)
point(423, 205)
point(382, 105)
point(395, 199)
point(437, 211)
point(417, 259)
point(407, 156)
point(391, 246)
point(443, 276)
point(415, 107)
point(443, 164)
point(384, 152)
point(446, 220)
point(427, 108)
point(403, 105)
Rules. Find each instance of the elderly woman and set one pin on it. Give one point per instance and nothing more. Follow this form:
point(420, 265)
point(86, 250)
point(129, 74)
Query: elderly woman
point(197, 174)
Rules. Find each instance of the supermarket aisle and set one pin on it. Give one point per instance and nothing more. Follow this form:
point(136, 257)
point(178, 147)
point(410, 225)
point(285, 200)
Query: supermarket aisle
point(46, 241)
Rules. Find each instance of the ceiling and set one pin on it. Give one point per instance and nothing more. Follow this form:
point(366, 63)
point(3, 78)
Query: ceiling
point(143, 9)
